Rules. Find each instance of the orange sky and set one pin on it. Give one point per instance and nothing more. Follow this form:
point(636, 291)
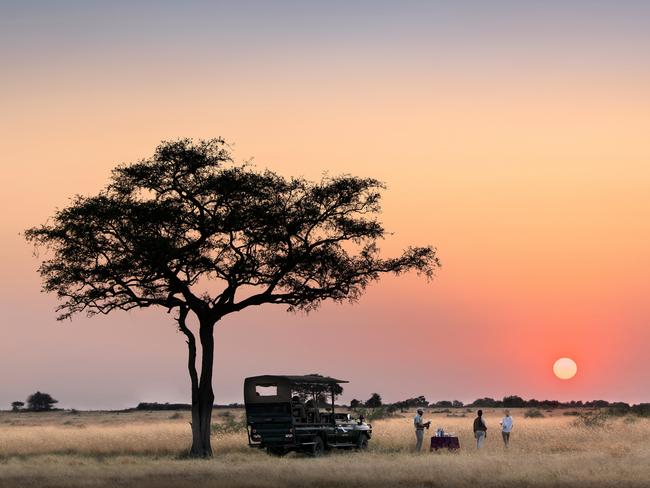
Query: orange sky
point(516, 143)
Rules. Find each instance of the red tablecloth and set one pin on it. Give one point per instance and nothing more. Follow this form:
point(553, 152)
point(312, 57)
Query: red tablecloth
point(446, 442)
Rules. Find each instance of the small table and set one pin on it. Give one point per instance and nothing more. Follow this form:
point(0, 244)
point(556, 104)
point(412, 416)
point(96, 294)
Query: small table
point(445, 442)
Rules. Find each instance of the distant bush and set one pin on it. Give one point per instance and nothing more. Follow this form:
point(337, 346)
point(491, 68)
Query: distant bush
point(572, 413)
point(375, 413)
point(597, 404)
point(533, 413)
point(513, 401)
point(446, 410)
point(229, 425)
point(175, 416)
point(444, 404)
point(591, 420)
point(163, 406)
point(618, 409)
point(487, 402)
point(642, 409)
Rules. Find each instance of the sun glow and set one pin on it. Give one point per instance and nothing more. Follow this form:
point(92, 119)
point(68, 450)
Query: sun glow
point(565, 368)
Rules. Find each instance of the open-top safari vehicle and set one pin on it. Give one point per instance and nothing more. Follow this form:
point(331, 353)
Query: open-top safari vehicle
point(291, 413)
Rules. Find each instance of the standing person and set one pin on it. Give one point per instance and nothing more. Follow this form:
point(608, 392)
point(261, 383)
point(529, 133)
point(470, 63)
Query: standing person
point(480, 429)
point(419, 425)
point(506, 428)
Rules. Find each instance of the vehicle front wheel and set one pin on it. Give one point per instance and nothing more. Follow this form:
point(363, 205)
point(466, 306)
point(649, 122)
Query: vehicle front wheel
point(318, 449)
point(362, 442)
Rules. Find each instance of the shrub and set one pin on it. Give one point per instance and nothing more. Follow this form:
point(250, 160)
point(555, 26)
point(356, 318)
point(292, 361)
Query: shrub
point(573, 413)
point(591, 420)
point(230, 425)
point(618, 408)
point(375, 413)
point(533, 413)
point(642, 409)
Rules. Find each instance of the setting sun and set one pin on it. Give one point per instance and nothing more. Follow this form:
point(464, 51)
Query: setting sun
point(565, 368)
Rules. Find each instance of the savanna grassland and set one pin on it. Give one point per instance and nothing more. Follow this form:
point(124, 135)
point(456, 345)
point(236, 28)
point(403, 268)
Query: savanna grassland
point(142, 449)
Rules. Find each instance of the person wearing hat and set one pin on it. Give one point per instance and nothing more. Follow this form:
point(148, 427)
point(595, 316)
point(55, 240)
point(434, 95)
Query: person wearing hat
point(420, 425)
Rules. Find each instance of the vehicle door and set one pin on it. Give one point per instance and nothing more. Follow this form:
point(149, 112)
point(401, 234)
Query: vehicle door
point(344, 430)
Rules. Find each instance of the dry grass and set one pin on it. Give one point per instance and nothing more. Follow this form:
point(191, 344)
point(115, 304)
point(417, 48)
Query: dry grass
point(144, 449)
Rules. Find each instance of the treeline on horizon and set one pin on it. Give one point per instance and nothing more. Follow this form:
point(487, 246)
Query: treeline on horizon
point(512, 401)
point(40, 402)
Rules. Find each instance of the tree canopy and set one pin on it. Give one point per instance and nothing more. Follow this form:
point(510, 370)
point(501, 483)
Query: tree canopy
point(165, 225)
point(374, 401)
point(38, 402)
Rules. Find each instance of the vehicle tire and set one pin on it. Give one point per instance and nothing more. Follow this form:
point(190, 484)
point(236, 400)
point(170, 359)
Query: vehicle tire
point(362, 442)
point(318, 449)
point(275, 451)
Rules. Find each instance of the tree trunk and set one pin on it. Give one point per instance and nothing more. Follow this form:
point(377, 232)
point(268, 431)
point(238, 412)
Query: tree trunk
point(203, 396)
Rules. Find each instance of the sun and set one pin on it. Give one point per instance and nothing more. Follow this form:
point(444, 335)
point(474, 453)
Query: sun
point(565, 368)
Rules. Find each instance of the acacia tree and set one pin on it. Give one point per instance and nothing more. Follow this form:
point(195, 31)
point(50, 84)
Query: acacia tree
point(374, 401)
point(194, 232)
point(40, 402)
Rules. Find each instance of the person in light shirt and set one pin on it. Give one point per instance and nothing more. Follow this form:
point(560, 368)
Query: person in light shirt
point(506, 428)
point(419, 425)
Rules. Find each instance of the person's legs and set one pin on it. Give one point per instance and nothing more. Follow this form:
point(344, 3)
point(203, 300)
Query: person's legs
point(419, 437)
point(480, 437)
point(506, 438)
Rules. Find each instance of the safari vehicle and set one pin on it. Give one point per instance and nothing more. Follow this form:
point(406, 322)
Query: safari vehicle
point(290, 413)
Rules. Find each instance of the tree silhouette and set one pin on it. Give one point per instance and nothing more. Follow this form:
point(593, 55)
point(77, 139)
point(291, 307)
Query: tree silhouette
point(192, 231)
point(374, 401)
point(16, 406)
point(513, 401)
point(40, 402)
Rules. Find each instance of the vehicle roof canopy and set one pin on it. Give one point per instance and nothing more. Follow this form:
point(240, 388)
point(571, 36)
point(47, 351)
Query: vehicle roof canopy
point(284, 384)
point(309, 378)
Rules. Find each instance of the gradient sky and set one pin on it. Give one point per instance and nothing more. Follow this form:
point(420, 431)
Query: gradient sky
point(514, 136)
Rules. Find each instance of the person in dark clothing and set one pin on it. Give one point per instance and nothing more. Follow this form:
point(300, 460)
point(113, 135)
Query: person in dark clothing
point(480, 429)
